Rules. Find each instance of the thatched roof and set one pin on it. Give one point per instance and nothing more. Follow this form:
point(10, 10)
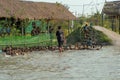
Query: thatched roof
point(112, 8)
point(34, 10)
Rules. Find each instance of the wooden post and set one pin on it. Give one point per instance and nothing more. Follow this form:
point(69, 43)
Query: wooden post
point(119, 24)
point(112, 24)
point(68, 26)
point(115, 23)
point(22, 29)
point(48, 24)
point(83, 10)
point(50, 34)
point(102, 19)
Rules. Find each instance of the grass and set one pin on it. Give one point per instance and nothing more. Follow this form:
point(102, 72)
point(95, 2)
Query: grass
point(22, 41)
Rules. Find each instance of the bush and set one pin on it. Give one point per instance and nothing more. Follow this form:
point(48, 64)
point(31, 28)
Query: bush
point(78, 36)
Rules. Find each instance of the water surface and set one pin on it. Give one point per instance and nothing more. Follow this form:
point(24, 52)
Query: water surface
point(101, 64)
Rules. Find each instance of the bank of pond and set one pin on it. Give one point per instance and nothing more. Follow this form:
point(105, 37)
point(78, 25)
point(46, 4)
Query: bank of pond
point(76, 40)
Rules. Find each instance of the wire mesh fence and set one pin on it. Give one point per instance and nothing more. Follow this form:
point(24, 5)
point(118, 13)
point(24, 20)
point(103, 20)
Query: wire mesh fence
point(43, 39)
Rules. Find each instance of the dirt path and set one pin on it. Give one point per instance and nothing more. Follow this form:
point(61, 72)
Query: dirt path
point(112, 35)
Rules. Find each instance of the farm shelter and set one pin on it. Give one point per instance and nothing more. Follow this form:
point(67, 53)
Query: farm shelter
point(34, 10)
point(112, 9)
point(27, 11)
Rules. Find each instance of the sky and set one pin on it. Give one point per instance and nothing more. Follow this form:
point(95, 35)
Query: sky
point(80, 7)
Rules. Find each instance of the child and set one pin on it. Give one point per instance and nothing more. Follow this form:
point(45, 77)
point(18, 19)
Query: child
point(60, 38)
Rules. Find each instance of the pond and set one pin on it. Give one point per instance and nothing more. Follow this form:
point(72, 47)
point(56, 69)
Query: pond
point(101, 64)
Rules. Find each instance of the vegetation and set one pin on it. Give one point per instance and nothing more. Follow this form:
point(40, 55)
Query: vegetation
point(78, 36)
point(110, 22)
point(73, 34)
point(23, 41)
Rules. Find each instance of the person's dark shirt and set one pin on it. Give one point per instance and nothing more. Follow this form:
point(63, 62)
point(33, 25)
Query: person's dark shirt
point(59, 34)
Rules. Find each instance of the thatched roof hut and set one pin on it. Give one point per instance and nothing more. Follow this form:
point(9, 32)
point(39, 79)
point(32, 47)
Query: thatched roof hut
point(34, 10)
point(112, 8)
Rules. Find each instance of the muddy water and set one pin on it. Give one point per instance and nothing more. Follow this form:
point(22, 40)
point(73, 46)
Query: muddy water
point(101, 64)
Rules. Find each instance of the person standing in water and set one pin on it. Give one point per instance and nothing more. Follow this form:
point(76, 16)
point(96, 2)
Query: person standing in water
point(60, 38)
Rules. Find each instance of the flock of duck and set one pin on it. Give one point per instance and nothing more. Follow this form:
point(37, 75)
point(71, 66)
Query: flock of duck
point(13, 51)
